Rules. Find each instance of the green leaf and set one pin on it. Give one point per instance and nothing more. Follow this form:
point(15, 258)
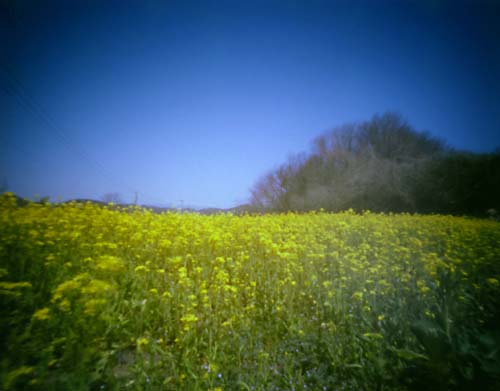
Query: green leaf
point(407, 354)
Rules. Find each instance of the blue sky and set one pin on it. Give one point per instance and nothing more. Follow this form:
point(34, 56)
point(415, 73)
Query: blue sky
point(194, 101)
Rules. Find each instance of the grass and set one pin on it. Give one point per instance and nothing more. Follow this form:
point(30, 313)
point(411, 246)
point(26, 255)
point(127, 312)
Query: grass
point(97, 298)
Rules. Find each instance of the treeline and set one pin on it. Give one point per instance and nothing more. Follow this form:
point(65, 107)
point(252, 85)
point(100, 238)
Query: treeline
point(383, 165)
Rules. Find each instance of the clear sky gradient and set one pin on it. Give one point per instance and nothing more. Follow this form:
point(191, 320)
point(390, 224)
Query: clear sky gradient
point(194, 101)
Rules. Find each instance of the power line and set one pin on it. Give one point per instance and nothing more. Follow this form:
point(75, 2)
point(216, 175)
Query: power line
point(18, 91)
point(30, 104)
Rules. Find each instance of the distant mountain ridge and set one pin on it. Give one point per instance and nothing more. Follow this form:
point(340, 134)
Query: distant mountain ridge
point(239, 209)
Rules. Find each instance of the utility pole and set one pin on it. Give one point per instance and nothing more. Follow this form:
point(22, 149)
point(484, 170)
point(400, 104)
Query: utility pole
point(136, 197)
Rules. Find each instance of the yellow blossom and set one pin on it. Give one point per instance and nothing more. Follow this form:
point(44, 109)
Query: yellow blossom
point(42, 314)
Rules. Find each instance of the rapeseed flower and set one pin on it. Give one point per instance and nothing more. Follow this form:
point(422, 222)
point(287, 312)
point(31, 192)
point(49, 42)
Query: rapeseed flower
point(42, 314)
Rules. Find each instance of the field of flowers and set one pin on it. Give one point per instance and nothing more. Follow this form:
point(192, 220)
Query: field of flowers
point(97, 298)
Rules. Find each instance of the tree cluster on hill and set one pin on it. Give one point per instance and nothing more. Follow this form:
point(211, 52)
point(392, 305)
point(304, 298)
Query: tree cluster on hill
point(382, 165)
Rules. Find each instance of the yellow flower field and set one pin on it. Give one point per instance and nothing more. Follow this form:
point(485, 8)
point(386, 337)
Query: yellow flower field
point(99, 298)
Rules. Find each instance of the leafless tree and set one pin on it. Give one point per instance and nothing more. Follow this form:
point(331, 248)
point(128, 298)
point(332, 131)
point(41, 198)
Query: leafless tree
point(369, 165)
point(115, 198)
